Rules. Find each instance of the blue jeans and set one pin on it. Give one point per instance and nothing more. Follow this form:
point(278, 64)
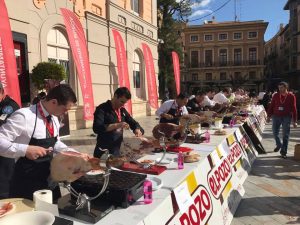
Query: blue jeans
point(285, 121)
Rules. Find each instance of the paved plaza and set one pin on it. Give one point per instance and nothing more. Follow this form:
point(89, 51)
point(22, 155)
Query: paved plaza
point(272, 188)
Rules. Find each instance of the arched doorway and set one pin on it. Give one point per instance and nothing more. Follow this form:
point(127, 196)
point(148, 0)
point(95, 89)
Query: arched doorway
point(138, 76)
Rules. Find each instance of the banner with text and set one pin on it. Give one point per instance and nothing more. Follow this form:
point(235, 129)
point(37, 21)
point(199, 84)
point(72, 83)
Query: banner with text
point(8, 67)
point(122, 65)
point(151, 79)
point(81, 58)
point(176, 70)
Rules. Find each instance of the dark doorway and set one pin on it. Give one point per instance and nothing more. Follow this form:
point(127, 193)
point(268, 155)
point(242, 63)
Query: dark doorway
point(21, 53)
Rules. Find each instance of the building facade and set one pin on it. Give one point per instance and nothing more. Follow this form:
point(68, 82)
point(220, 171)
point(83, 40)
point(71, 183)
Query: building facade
point(293, 41)
point(277, 57)
point(282, 52)
point(220, 54)
point(39, 35)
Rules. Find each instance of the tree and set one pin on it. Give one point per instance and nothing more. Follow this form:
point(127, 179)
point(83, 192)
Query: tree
point(47, 71)
point(171, 15)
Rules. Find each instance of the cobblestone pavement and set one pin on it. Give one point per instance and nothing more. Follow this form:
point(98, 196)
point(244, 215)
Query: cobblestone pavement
point(272, 188)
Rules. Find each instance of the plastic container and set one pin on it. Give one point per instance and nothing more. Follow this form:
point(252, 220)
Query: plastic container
point(231, 123)
point(148, 192)
point(180, 161)
point(207, 136)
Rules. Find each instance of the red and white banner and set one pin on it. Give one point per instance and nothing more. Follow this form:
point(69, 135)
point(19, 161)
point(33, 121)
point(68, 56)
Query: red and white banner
point(176, 70)
point(8, 67)
point(81, 58)
point(122, 65)
point(151, 79)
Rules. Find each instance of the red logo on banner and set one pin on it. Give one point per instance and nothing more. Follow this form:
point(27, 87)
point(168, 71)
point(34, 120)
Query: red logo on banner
point(80, 55)
point(151, 79)
point(199, 212)
point(122, 65)
point(218, 178)
point(8, 67)
point(235, 153)
point(176, 70)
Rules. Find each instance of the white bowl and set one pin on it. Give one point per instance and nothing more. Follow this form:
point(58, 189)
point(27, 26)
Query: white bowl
point(29, 218)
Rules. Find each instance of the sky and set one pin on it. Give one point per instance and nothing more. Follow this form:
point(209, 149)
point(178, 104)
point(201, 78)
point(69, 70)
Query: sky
point(268, 10)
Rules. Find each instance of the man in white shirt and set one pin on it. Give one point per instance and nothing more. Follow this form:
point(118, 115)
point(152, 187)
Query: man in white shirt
point(171, 111)
point(28, 136)
point(222, 97)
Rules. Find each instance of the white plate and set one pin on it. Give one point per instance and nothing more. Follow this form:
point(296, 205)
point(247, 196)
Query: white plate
point(156, 183)
point(164, 161)
point(29, 218)
point(9, 211)
point(95, 172)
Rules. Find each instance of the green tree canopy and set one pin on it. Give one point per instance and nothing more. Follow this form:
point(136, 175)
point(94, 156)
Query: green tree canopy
point(172, 14)
point(47, 70)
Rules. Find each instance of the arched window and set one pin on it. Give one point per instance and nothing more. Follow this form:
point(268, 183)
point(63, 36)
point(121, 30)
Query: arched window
point(138, 76)
point(59, 49)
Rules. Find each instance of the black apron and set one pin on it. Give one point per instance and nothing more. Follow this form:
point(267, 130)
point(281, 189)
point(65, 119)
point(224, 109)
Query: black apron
point(7, 106)
point(32, 175)
point(175, 113)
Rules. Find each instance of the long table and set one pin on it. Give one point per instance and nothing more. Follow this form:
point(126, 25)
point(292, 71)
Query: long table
point(215, 183)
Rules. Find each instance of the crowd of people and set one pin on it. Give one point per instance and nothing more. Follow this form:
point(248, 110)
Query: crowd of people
point(29, 135)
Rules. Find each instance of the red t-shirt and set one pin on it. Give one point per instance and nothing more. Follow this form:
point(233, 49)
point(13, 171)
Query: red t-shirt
point(283, 106)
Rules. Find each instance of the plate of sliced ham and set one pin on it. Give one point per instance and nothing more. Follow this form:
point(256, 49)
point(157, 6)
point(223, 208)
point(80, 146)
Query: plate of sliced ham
point(6, 208)
point(95, 172)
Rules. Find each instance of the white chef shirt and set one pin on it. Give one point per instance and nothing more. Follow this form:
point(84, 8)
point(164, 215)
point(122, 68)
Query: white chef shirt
point(261, 95)
point(207, 102)
point(220, 98)
point(15, 134)
point(167, 105)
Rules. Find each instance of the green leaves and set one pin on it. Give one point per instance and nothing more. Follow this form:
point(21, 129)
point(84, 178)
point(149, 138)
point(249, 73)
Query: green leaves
point(172, 16)
point(47, 70)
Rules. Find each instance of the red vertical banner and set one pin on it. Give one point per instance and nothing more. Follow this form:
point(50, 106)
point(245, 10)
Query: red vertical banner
point(123, 74)
point(176, 70)
point(151, 78)
point(81, 58)
point(8, 67)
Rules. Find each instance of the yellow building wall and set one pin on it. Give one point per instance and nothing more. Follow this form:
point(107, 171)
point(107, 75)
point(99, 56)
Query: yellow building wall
point(145, 8)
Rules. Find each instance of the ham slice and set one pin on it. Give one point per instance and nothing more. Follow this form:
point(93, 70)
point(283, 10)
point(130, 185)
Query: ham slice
point(69, 166)
point(170, 130)
point(174, 134)
point(136, 147)
point(192, 119)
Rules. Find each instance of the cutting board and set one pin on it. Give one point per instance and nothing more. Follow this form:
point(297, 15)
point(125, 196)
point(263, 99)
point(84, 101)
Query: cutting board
point(179, 149)
point(154, 170)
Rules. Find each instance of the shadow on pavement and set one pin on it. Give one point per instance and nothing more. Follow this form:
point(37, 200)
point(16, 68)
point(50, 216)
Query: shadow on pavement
point(276, 168)
point(273, 205)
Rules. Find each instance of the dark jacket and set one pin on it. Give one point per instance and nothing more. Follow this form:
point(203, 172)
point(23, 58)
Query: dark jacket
point(103, 117)
point(193, 106)
point(7, 107)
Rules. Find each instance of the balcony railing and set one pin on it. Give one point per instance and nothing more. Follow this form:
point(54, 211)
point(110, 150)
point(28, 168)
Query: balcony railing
point(226, 64)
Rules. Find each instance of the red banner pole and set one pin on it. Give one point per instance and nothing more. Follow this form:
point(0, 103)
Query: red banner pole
point(81, 58)
point(176, 70)
point(151, 78)
point(8, 68)
point(123, 74)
